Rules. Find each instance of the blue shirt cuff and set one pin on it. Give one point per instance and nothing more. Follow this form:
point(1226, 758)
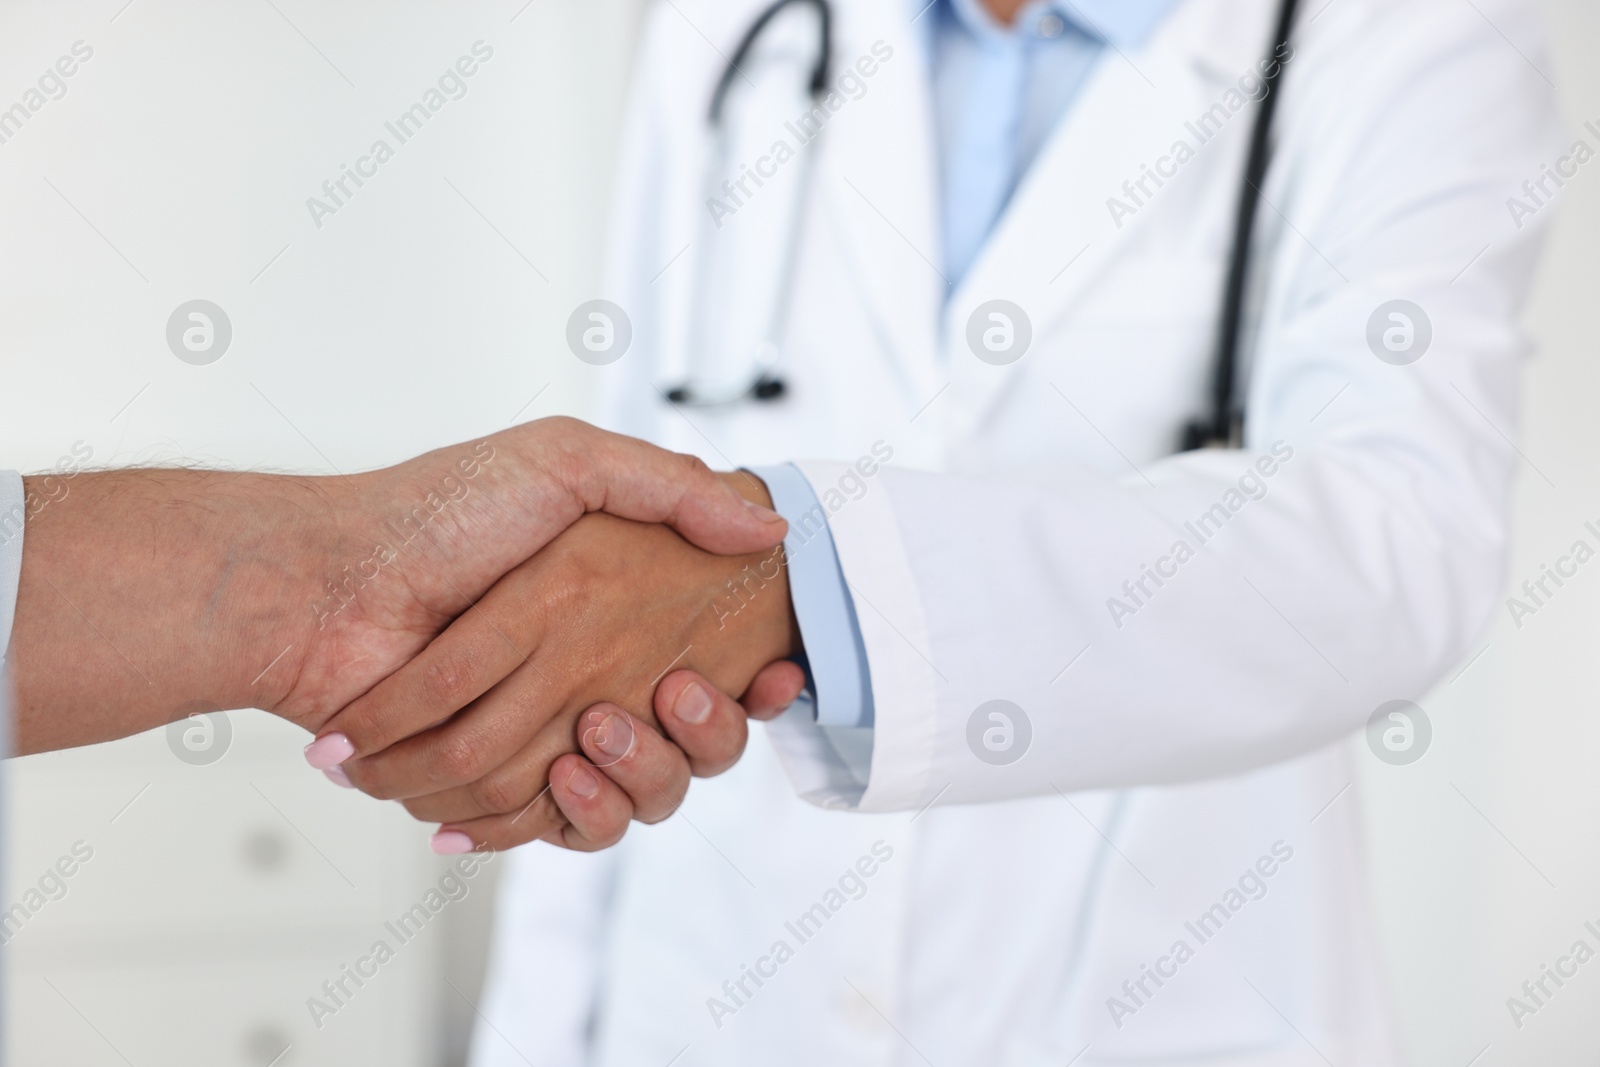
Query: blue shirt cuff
point(835, 655)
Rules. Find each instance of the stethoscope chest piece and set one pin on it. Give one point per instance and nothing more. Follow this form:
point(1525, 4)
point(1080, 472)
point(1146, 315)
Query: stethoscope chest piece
point(766, 389)
point(745, 257)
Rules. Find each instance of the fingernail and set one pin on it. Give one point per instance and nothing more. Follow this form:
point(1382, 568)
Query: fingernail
point(450, 843)
point(337, 776)
point(764, 514)
point(693, 705)
point(330, 750)
point(583, 782)
point(612, 734)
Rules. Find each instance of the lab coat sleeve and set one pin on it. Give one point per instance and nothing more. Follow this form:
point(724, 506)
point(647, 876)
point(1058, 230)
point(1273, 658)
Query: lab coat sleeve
point(835, 656)
point(13, 514)
point(1225, 609)
point(542, 988)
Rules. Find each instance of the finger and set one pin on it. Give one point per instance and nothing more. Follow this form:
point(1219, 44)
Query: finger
point(777, 686)
point(707, 724)
point(595, 810)
point(500, 740)
point(653, 771)
point(504, 789)
point(541, 817)
point(636, 480)
point(460, 665)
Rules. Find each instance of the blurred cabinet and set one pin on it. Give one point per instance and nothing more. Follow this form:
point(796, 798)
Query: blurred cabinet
point(165, 903)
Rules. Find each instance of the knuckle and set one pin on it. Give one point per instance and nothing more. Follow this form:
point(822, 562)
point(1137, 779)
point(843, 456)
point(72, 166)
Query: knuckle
point(499, 793)
point(544, 815)
point(695, 469)
point(566, 457)
point(562, 426)
point(457, 758)
point(447, 680)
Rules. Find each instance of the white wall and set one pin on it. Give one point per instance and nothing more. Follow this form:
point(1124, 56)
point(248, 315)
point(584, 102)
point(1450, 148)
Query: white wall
point(1475, 901)
point(177, 166)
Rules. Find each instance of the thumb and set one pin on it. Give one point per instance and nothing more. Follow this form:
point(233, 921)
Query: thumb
point(725, 513)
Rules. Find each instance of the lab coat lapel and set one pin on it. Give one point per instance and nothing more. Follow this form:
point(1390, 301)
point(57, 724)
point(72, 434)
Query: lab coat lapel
point(877, 186)
point(1059, 233)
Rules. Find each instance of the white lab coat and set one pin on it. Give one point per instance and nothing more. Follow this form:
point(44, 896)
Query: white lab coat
point(1177, 741)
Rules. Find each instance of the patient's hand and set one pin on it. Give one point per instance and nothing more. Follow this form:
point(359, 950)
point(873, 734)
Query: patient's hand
point(569, 648)
point(210, 590)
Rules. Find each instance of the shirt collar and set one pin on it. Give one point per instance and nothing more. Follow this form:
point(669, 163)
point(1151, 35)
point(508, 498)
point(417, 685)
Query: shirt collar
point(1122, 23)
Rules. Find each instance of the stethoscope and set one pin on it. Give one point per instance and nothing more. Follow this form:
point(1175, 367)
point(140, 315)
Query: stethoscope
point(763, 385)
point(1223, 423)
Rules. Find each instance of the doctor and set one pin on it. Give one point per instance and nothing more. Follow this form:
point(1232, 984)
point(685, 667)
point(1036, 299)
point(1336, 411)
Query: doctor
point(1001, 315)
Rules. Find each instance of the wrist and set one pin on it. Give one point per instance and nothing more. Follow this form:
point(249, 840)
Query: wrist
point(280, 613)
point(146, 595)
point(765, 624)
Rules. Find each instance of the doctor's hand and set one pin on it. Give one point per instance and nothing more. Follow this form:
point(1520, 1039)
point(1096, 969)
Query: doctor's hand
point(706, 732)
point(564, 654)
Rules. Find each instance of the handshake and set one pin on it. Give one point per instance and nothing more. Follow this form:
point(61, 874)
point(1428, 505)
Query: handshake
point(530, 636)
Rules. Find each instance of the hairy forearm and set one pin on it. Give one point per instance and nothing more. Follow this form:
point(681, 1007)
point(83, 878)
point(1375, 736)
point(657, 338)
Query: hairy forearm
point(148, 595)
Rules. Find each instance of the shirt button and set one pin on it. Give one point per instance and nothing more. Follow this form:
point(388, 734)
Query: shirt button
point(1051, 25)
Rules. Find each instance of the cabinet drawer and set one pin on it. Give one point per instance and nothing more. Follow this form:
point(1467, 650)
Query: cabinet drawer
point(224, 1013)
point(175, 852)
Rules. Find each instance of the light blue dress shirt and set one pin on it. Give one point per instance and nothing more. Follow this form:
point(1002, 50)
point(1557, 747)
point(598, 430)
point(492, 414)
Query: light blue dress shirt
point(835, 657)
point(998, 92)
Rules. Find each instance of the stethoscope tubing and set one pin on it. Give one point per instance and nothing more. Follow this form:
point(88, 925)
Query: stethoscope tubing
point(1223, 424)
point(765, 386)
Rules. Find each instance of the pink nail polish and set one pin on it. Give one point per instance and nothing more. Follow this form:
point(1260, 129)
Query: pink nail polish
point(693, 705)
point(338, 777)
point(330, 750)
point(450, 843)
